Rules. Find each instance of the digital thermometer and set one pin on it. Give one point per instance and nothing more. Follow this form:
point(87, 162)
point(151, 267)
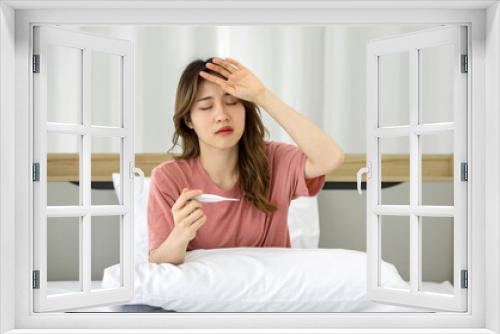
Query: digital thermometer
point(213, 198)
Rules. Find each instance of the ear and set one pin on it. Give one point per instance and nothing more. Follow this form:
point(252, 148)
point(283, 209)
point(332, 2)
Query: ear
point(187, 122)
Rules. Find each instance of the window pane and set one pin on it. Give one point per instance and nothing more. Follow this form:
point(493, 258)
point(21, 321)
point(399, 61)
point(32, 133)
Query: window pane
point(106, 155)
point(106, 89)
point(395, 250)
point(437, 168)
point(64, 84)
point(437, 254)
point(393, 100)
point(106, 246)
point(63, 169)
point(394, 170)
point(63, 255)
point(436, 84)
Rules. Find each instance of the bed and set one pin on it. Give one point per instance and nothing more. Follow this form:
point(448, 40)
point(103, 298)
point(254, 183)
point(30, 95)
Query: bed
point(303, 278)
point(256, 280)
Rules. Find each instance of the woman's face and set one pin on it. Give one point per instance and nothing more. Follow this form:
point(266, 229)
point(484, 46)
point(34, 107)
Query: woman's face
point(214, 109)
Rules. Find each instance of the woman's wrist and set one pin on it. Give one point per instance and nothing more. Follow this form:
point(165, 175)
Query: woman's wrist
point(262, 96)
point(179, 238)
point(172, 250)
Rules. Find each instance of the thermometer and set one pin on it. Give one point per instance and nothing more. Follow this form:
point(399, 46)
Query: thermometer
point(213, 198)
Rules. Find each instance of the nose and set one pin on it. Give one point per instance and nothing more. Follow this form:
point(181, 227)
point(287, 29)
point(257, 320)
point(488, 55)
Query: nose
point(221, 114)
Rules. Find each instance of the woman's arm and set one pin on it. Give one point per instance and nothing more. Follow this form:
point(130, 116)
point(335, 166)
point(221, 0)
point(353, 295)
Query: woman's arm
point(172, 250)
point(323, 153)
point(188, 217)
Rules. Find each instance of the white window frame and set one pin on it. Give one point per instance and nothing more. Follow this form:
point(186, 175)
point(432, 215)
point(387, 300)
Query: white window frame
point(411, 44)
point(16, 20)
point(46, 37)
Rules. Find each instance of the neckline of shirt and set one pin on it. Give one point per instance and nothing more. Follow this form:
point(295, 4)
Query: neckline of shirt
point(234, 191)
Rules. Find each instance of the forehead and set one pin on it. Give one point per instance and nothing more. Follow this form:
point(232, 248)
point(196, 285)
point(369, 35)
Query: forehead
point(208, 90)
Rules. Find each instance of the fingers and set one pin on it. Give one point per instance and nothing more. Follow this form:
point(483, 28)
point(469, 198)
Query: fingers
point(219, 69)
point(190, 206)
point(184, 197)
point(187, 210)
point(234, 62)
point(194, 217)
point(188, 215)
point(214, 79)
point(226, 65)
point(196, 225)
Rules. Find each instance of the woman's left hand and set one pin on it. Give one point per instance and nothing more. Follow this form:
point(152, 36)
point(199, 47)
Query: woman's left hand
point(241, 82)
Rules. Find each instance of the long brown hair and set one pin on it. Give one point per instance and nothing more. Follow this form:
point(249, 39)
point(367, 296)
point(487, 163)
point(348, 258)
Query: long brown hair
point(253, 164)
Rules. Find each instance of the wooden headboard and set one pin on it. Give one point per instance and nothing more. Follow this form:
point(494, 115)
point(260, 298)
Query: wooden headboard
point(436, 167)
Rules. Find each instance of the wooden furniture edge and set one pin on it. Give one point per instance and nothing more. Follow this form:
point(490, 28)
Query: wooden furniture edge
point(395, 167)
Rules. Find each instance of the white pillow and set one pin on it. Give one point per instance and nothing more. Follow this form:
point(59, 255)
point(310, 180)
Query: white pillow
point(246, 279)
point(303, 222)
point(140, 217)
point(303, 219)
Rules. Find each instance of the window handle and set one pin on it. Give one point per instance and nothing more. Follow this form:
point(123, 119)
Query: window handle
point(133, 171)
point(361, 171)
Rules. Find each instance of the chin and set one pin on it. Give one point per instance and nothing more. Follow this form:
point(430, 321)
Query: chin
point(227, 142)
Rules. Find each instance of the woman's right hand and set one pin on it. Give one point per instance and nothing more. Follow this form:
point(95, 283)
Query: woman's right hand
point(188, 215)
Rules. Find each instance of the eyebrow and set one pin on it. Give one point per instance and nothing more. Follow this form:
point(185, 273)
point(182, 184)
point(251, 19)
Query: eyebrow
point(209, 97)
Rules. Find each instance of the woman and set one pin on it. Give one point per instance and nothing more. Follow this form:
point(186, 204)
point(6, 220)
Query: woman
point(214, 96)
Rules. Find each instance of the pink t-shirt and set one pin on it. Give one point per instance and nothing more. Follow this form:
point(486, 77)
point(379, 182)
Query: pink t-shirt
point(231, 224)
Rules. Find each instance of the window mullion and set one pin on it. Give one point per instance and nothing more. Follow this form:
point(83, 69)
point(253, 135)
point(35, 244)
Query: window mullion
point(85, 237)
point(414, 171)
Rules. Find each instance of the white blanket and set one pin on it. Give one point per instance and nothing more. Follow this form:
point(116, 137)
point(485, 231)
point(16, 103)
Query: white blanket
point(260, 280)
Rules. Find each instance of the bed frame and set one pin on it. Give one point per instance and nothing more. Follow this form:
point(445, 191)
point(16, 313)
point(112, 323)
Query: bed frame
point(435, 167)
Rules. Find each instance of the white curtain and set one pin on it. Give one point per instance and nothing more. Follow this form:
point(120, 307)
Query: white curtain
point(320, 71)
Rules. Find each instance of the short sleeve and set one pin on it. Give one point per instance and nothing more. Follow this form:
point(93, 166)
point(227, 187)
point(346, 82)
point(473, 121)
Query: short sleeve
point(290, 163)
point(160, 202)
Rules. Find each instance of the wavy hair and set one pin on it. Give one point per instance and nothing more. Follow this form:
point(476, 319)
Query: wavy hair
point(253, 165)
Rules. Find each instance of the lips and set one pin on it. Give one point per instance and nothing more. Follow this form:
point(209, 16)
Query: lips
point(225, 129)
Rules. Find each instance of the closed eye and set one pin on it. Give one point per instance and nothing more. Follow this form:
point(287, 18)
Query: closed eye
point(231, 104)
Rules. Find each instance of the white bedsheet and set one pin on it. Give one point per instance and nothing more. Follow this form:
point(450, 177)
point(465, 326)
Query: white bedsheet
point(57, 287)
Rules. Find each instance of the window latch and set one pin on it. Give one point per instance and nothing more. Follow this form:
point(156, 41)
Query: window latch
point(139, 171)
point(365, 170)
